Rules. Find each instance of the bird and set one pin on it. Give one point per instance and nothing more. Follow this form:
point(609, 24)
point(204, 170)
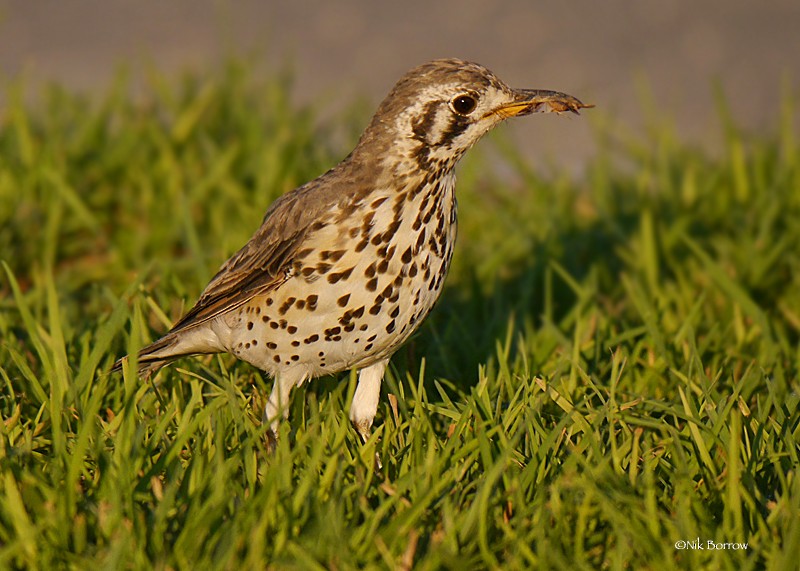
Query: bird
point(345, 268)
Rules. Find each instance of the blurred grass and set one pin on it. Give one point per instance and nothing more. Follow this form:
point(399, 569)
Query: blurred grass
point(613, 367)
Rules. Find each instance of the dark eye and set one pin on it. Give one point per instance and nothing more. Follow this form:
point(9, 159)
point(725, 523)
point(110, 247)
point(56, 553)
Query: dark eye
point(464, 104)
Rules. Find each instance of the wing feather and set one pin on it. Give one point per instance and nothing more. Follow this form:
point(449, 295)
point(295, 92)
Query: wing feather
point(263, 264)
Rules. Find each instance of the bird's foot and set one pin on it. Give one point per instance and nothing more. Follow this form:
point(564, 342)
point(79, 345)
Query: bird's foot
point(364, 429)
point(271, 441)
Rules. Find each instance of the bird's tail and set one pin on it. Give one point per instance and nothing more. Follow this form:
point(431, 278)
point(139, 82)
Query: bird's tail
point(153, 356)
point(180, 342)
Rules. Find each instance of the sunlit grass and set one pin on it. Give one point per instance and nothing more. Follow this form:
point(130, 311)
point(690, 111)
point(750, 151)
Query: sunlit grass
point(613, 367)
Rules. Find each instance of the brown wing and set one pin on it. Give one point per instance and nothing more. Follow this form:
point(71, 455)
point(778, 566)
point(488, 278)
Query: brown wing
point(250, 272)
point(263, 263)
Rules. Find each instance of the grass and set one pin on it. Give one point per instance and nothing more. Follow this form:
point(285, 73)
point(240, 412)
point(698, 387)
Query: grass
point(613, 367)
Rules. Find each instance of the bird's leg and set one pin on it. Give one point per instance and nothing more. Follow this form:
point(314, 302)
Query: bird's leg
point(365, 400)
point(277, 408)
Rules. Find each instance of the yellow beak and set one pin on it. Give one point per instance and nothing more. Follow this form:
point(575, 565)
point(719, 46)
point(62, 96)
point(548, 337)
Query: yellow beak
point(539, 101)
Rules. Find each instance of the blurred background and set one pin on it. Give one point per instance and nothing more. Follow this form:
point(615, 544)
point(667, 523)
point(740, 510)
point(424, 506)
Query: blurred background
point(625, 56)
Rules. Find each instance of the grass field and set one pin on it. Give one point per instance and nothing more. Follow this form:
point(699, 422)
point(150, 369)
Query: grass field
point(613, 368)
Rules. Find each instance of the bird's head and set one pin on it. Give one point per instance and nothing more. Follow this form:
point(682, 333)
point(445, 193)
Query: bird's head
point(438, 110)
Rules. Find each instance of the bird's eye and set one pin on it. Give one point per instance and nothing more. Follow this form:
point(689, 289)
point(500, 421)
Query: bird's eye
point(463, 104)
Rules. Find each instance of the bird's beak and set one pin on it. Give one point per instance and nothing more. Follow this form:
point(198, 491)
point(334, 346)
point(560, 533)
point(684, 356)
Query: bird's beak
point(529, 101)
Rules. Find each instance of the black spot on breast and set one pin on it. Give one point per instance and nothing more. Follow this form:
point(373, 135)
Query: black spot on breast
point(366, 223)
point(311, 339)
point(311, 302)
point(286, 305)
point(271, 345)
point(440, 226)
point(395, 312)
point(249, 325)
point(334, 255)
point(342, 301)
point(420, 240)
point(434, 245)
point(406, 257)
point(390, 327)
point(372, 284)
point(291, 329)
point(337, 276)
point(391, 230)
point(425, 200)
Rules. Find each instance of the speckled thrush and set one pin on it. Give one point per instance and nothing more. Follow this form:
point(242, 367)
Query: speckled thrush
point(346, 267)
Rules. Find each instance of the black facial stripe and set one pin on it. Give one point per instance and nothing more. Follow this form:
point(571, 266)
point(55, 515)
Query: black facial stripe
point(458, 125)
point(424, 124)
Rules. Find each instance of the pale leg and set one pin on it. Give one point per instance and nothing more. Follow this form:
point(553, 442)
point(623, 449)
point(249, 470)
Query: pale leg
point(277, 408)
point(365, 399)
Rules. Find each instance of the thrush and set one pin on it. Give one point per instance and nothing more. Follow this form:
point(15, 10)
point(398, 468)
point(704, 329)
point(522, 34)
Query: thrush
point(346, 267)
